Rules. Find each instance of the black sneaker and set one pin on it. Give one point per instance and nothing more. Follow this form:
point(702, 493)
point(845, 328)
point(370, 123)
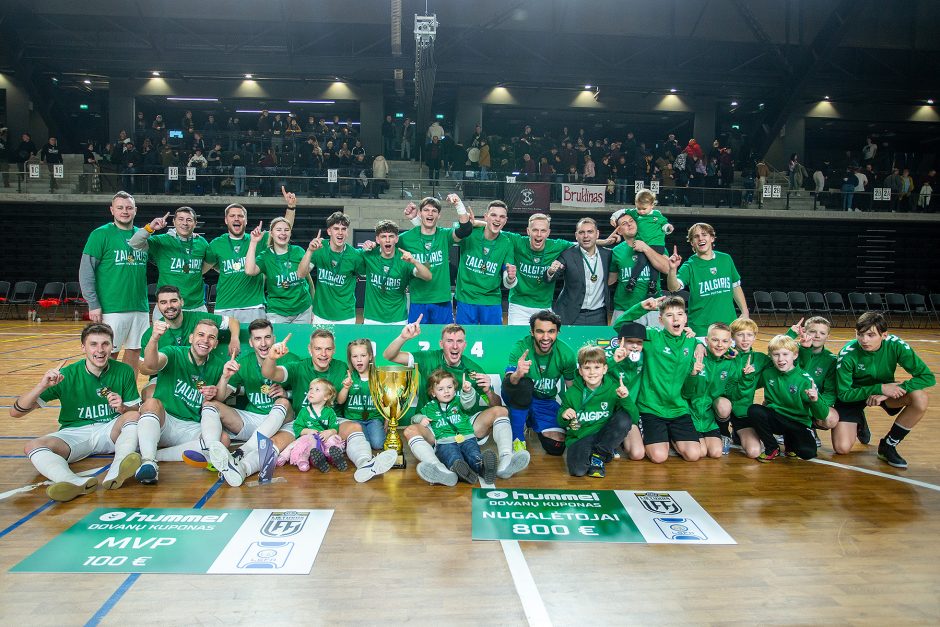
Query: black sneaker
point(490, 463)
point(652, 289)
point(319, 461)
point(889, 454)
point(337, 458)
point(462, 469)
point(864, 433)
point(631, 285)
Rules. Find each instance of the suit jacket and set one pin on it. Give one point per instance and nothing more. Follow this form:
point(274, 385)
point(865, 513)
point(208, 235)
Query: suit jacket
point(568, 304)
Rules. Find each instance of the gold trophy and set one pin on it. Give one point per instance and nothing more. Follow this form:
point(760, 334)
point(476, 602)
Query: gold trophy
point(392, 389)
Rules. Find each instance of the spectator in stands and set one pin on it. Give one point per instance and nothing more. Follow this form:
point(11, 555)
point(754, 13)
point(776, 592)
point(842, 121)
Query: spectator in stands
point(893, 182)
point(620, 173)
point(167, 157)
point(923, 197)
point(528, 168)
point(589, 171)
point(51, 155)
point(23, 153)
point(407, 137)
point(86, 182)
point(435, 130)
point(214, 159)
point(198, 143)
point(278, 127)
point(293, 132)
point(792, 170)
point(210, 131)
point(158, 128)
point(263, 127)
point(860, 185)
point(671, 145)
point(197, 161)
point(140, 128)
point(188, 125)
point(389, 133)
point(602, 174)
point(849, 183)
point(869, 150)
point(380, 173)
point(434, 158)
point(130, 160)
point(725, 167)
point(906, 196)
point(819, 183)
point(573, 177)
point(234, 129)
point(485, 161)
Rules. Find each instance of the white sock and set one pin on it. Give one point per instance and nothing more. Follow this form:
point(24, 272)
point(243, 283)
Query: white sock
point(148, 435)
point(211, 424)
point(273, 422)
point(175, 453)
point(251, 460)
point(54, 467)
point(358, 449)
point(502, 436)
point(124, 445)
point(423, 451)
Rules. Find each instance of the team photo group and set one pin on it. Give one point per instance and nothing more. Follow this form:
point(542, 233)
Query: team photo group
point(680, 379)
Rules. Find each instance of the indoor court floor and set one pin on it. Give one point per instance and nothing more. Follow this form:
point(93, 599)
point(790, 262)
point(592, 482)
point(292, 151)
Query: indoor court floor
point(845, 540)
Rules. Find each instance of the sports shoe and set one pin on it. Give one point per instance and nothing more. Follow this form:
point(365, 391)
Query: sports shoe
point(511, 464)
point(337, 458)
point(462, 469)
point(889, 454)
point(792, 455)
point(436, 474)
point(229, 469)
point(779, 439)
point(518, 445)
point(198, 459)
point(126, 470)
point(490, 463)
point(864, 433)
point(378, 465)
point(319, 460)
point(63, 491)
point(652, 289)
point(630, 285)
point(148, 473)
point(769, 457)
point(596, 468)
point(725, 444)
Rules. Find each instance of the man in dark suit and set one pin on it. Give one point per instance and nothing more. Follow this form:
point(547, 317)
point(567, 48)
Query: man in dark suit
point(585, 299)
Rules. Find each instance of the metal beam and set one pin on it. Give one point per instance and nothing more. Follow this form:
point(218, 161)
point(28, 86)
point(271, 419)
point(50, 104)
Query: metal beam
point(761, 35)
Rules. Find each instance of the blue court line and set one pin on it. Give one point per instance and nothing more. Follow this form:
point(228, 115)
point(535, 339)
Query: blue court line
point(109, 604)
point(89, 457)
point(40, 509)
point(18, 437)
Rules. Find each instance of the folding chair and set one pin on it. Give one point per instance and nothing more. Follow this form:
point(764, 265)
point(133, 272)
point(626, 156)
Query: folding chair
point(917, 305)
point(875, 302)
point(23, 294)
point(816, 303)
point(934, 300)
point(51, 299)
point(781, 304)
point(74, 299)
point(798, 303)
point(857, 303)
point(763, 304)
point(895, 303)
point(837, 306)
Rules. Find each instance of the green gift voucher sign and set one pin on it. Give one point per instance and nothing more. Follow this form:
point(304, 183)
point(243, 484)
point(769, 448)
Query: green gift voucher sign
point(230, 541)
point(672, 517)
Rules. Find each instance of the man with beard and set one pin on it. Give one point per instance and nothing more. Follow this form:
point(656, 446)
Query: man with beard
point(113, 278)
point(237, 294)
point(98, 414)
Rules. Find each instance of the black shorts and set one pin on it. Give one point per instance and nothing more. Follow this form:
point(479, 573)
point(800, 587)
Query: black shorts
point(855, 411)
point(714, 433)
point(657, 430)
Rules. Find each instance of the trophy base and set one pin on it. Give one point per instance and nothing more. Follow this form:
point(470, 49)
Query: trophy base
point(400, 461)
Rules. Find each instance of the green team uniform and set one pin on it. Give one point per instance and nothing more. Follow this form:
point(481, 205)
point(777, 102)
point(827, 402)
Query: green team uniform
point(702, 389)
point(479, 274)
point(308, 419)
point(180, 336)
point(785, 393)
point(859, 373)
point(821, 367)
point(741, 394)
point(549, 372)
point(649, 227)
point(288, 294)
point(359, 404)
point(249, 380)
point(434, 252)
point(711, 284)
point(668, 361)
point(83, 396)
point(428, 361)
point(235, 290)
point(121, 275)
point(593, 407)
point(632, 372)
point(448, 421)
point(336, 281)
point(179, 263)
point(532, 290)
point(386, 282)
point(178, 382)
point(622, 261)
point(301, 372)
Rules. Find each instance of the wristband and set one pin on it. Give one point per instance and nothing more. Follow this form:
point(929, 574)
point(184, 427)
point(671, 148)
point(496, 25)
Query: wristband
point(461, 209)
point(416, 221)
point(148, 228)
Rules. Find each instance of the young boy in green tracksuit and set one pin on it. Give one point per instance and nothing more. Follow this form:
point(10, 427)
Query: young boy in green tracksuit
point(710, 377)
point(664, 415)
point(626, 362)
point(594, 411)
point(865, 376)
point(732, 408)
point(791, 403)
point(820, 364)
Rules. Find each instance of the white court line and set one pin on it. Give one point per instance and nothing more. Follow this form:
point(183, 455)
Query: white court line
point(27, 488)
point(915, 482)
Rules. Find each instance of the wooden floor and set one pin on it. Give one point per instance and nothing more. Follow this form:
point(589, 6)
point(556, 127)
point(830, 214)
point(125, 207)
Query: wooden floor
point(817, 544)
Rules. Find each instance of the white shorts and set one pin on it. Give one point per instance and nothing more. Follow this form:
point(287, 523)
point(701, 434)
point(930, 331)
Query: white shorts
point(650, 319)
point(244, 315)
point(520, 314)
point(128, 327)
point(387, 324)
point(250, 423)
point(87, 440)
point(159, 316)
point(301, 318)
point(318, 320)
point(176, 431)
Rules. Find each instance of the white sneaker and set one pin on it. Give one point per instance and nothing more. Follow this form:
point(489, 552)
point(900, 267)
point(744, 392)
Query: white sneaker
point(436, 474)
point(126, 470)
point(228, 467)
point(511, 464)
point(63, 491)
point(378, 465)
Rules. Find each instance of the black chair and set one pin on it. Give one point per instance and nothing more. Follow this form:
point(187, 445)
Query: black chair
point(74, 299)
point(798, 303)
point(53, 292)
point(782, 305)
point(917, 305)
point(836, 305)
point(816, 303)
point(875, 302)
point(24, 293)
point(857, 303)
point(934, 300)
point(4, 291)
point(763, 304)
point(895, 303)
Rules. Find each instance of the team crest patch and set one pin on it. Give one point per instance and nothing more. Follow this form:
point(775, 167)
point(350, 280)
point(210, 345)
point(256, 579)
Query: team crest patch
point(284, 524)
point(685, 352)
point(818, 372)
point(427, 246)
point(792, 389)
point(724, 375)
point(634, 258)
point(658, 503)
point(772, 383)
point(385, 269)
point(714, 270)
point(486, 250)
point(604, 406)
point(667, 350)
point(333, 262)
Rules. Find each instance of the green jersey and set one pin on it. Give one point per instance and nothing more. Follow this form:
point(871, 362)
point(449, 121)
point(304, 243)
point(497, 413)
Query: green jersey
point(860, 373)
point(180, 379)
point(308, 419)
point(480, 272)
point(359, 404)
point(549, 372)
point(532, 290)
point(179, 263)
point(301, 372)
point(428, 361)
point(250, 385)
point(741, 394)
point(448, 420)
point(632, 373)
point(702, 389)
point(821, 367)
point(622, 261)
point(711, 284)
point(235, 290)
point(785, 393)
point(434, 252)
point(83, 397)
point(336, 281)
point(288, 294)
point(649, 227)
point(121, 275)
point(593, 407)
point(386, 281)
point(180, 335)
